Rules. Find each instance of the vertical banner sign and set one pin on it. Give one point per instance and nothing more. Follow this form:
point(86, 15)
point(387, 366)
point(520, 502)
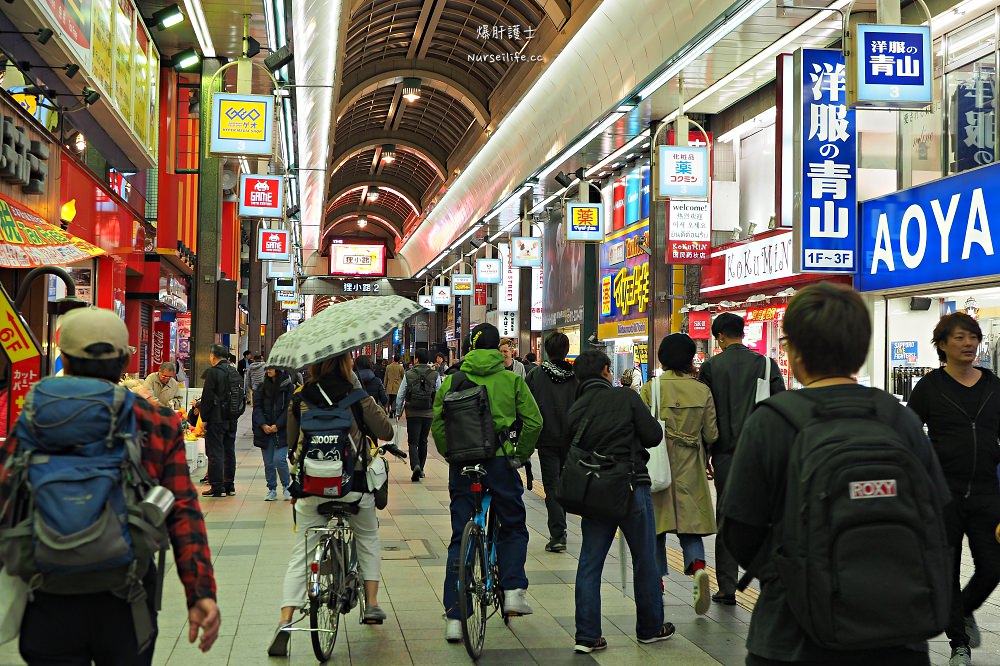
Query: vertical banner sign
point(618, 205)
point(140, 83)
point(973, 102)
point(123, 58)
point(537, 294)
point(480, 294)
point(633, 195)
point(683, 172)
point(160, 349)
point(510, 281)
point(102, 63)
point(892, 69)
point(689, 232)
point(242, 124)
point(825, 214)
point(457, 330)
point(22, 351)
point(644, 199)
point(507, 324)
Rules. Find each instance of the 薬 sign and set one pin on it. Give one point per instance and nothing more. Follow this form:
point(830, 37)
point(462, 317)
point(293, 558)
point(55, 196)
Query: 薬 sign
point(584, 222)
point(683, 172)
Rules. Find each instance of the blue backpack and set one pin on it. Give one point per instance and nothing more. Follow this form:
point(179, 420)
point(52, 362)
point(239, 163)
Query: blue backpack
point(74, 521)
point(328, 458)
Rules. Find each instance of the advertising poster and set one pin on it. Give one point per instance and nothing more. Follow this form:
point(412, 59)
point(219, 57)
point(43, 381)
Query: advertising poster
point(537, 296)
point(140, 84)
point(624, 283)
point(689, 232)
point(153, 100)
point(123, 58)
point(102, 64)
point(83, 281)
point(562, 299)
point(160, 347)
point(74, 20)
point(357, 260)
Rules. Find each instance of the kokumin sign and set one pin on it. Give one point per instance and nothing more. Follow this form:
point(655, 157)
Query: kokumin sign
point(261, 196)
point(273, 244)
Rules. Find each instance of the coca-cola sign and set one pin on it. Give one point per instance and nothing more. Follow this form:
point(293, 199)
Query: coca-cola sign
point(273, 244)
point(160, 347)
point(261, 196)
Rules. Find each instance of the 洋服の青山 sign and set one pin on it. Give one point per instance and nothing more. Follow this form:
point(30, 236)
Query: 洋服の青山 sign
point(936, 232)
point(624, 283)
point(273, 244)
point(261, 196)
point(893, 66)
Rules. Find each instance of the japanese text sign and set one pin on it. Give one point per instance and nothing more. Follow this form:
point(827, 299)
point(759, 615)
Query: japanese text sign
point(357, 259)
point(507, 324)
point(488, 271)
point(624, 283)
point(441, 294)
point(242, 124)
point(261, 196)
point(527, 251)
point(893, 66)
point(825, 215)
point(767, 313)
point(273, 244)
point(683, 172)
point(461, 284)
point(689, 232)
point(361, 288)
point(585, 222)
point(426, 301)
point(974, 109)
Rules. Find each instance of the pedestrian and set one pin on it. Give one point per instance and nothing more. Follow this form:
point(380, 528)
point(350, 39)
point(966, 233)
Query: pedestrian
point(244, 362)
point(254, 376)
point(631, 379)
point(553, 386)
point(457, 365)
point(220, 422)
point(370, 382)
point(393, 378)
point(960, 403)
point(270, 417)
point(440, 363)
point(162, 384)
point(379, 370)
point(510, 401)
point(732, 377)
point(615, 423)
point(844, 559)
point(509, 362)
point(685, 508)
point(530, 362)
point(417, 394)
point(327, 384)
point(75, 626)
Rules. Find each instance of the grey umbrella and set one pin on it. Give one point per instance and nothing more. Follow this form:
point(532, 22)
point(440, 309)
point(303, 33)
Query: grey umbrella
point(340, 328)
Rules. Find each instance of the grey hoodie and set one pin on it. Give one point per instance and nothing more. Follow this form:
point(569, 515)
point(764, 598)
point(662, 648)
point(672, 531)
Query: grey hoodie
point(254, 376)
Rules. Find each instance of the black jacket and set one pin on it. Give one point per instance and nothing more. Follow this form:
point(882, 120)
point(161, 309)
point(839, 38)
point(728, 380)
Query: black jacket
point(453, 368)
point(270, 407)
point(966, 443)
point(732, 376)
point(554, 387)
point(373, 386)
point(213, 391)
point(619, 424)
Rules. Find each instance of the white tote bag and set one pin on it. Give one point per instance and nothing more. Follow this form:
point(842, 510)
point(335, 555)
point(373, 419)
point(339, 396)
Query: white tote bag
point(764, 385)
point(13, 601)
point(659, 463)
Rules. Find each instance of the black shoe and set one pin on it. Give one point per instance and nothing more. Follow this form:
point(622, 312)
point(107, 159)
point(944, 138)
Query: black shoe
point(279, 644)
point(214, 493)
point(556, 546)
point(417, 473)
point(724, 599)
point(586, 647)
point(204, 479)
point(666, 632)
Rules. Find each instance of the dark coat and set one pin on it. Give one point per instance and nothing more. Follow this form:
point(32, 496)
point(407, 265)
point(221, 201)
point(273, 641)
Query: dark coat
point(213, 392)
point(373, 386)
point(554, 387)
point(270, 407)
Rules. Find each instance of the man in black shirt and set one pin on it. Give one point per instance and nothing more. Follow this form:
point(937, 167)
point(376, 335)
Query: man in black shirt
point(960, 404)
point(827, 332)
point(241, 367)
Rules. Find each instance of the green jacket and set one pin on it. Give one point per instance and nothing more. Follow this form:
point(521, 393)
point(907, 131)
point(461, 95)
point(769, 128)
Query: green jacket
point(510, 399)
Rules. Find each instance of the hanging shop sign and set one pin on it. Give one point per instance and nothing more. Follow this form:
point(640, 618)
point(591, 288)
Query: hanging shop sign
point(242, 124)
point(825, 216)
point(689, 232)
point(585, 222)
point(370, 288)
point(891, 67)
point(527, 251)
point(624, 283)
point(700, 325)
point(441, 294)
point(28, 241)
point(480, 298)
point(261, 196)
point(936, 232)
point(510, 282)
point(683, 172)
point(357, 259)
point(426, 301)
point(461, 284)
point(273, 244)
point(285, 295)
point(767, 313)
point(488, 271)
point(537, 298)
point(290, 305)
point(507, 324)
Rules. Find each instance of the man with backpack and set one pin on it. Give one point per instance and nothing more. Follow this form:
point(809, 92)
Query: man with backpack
point(732, 377)
point(835, 504)
point(222, 403)
point(417, 392)
point(122, 460)
point(486, 415)
point(960, 404)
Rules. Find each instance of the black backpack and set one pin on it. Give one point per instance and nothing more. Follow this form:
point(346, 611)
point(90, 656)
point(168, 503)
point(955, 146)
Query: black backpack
point(468, 422)
point(233, 398)
point(861, 551)
point(420, 388)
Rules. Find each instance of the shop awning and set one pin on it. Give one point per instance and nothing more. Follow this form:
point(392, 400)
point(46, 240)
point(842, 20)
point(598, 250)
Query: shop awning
point(28, 241)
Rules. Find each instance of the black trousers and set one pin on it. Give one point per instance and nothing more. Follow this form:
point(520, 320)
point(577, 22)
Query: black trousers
point(887, 657)
point(727, 570)
point(552, 459)
point(975, 517)
point(80, 629)
point(417, 430)
point(220, 448)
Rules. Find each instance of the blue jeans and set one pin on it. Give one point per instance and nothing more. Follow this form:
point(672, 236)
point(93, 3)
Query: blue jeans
point(640, 534)
point(275, 459)
point(692, 546)
point(504, 485)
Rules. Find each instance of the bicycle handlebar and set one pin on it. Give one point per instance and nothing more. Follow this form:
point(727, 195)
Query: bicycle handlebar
point(389, 447)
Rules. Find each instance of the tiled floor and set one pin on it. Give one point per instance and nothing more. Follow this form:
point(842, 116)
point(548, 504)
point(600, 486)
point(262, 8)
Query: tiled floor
point(250, 541)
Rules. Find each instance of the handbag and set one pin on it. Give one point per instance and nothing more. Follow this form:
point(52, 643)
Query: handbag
point(377, 479)
point(593, 485)
point(14, 592)
point(658, 465)
point(764, 385)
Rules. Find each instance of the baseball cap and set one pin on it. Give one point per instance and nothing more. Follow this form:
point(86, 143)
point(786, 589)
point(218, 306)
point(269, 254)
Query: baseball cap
point(80, 328)
point(485, 336)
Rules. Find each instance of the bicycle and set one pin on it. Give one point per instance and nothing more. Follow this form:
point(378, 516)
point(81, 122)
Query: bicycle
point(478, 570)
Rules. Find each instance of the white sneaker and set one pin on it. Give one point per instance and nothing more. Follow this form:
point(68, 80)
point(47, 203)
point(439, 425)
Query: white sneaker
point(702, 595)
point(514, 603)
point(453, 631)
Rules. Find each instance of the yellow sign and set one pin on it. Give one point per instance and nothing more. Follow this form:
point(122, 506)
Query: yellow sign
point(123, 58)
point(14, 337)
point(641, 352)
point(28, 102)
point(140, 83)
point(242, 120)
point(102, 64)
point(606, 295)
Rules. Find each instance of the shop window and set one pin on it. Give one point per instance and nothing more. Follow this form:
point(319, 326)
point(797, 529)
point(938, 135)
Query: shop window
point(876, 174)
point(756, 180)
point(921, 144)
point(975, 39)
point(971, 115)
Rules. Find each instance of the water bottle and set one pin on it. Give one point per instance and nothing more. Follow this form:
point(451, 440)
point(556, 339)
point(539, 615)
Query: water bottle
point(156, 505)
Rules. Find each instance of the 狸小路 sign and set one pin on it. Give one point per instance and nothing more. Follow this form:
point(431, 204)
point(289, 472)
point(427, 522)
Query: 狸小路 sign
point(892, 67)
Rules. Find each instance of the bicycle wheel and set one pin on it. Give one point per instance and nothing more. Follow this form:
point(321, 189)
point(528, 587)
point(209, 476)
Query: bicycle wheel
point(324, 608)
point(494, 566)
point(473, 597)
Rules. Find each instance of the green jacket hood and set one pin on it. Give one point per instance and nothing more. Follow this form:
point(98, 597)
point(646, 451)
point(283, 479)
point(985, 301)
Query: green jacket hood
point(483, 362)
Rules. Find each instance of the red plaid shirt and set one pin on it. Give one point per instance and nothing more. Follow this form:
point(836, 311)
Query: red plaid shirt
point(164, 458)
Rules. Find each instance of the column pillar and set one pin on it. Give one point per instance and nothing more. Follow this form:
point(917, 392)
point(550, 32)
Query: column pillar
point(660, 273)
point(254, 292)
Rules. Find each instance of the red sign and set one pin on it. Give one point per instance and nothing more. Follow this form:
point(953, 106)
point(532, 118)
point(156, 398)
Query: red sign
point(769, 313)
point(618, 205)
point(160, 352)
point(260, 196)
point(273, 244)
point(480, 294)
point(700, 325)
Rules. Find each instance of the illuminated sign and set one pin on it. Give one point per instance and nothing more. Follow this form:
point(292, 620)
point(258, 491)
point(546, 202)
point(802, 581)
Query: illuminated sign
point(488, 271)
point(893, 66)
point(461, 284)
point(426, 301)
point(242, 124)
point(586, 222)
point(273, 244)
point(689, 232)
point(357, 259)
point(624, 283)
point(683, 172)
point(261, 196)
point(441, 294)
point(768, 313)
point(527, 252)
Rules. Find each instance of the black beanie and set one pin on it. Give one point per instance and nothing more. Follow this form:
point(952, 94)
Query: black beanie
point(676, 352)
point(485, 336)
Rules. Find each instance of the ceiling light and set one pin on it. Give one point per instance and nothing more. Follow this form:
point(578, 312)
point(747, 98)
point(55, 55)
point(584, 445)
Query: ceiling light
point(186, 59)
point(411, 89)
point(166, 18)
point(373, 193)
point(80, 142)
point(362, 221)
point(389, 153)
point(628, 105)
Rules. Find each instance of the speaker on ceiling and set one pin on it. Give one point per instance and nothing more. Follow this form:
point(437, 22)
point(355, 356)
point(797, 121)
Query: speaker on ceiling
point(920, 303)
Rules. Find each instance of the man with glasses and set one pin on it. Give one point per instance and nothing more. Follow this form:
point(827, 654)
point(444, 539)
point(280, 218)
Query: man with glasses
point(162, 384)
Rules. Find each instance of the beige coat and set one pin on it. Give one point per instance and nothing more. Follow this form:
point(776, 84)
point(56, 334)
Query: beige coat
point(394, 377)
point(688, 415)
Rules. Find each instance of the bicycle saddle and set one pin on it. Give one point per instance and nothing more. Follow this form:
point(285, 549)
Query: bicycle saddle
point(333, 509)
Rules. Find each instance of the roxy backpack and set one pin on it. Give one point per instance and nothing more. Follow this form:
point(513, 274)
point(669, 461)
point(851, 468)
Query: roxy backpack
point(421, 385)
point(329, 455)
